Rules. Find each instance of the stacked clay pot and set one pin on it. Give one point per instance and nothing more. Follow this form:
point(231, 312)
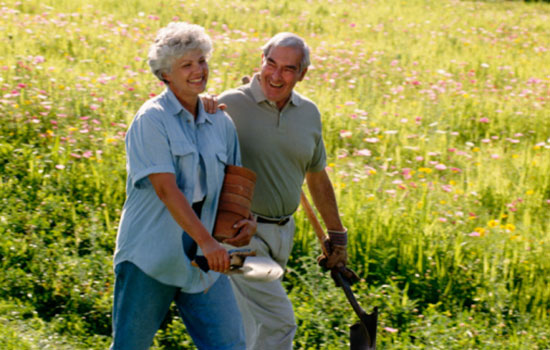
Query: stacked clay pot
point(235, 200)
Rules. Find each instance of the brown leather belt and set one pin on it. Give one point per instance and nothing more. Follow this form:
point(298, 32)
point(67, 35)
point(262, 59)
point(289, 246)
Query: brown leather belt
point(280, 222)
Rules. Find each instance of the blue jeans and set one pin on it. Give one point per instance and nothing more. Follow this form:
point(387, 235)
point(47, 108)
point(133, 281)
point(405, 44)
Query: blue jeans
point(212, 318)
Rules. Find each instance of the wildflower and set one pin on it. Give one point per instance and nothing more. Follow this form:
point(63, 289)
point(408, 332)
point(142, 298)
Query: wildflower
point(484, 120)
point(425, 170)
point(492, 223)
point(510, 227)
point(390, 330)
point(364, 152)
point(345, 134)
point(480, 230)
point(60, 166)
point(529, 192)
point(87, 154)
point(440, 166)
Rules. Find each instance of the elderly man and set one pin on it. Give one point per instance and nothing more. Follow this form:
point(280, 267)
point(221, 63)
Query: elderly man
point(280, 135)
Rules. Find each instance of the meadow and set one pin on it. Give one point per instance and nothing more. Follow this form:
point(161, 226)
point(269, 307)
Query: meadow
point(436, 122)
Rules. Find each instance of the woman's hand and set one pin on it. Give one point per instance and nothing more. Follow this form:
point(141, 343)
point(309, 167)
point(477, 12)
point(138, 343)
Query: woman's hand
point(247, 230)
point(216, 255)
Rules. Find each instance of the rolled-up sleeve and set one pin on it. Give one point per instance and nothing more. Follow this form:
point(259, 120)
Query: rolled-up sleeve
point(147, 149)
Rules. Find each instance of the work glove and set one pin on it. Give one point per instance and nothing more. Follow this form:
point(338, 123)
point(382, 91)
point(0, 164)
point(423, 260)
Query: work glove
point(336, 248)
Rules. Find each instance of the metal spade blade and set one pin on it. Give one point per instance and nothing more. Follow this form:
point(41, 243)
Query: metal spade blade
point(258, 268)
point(253, 268)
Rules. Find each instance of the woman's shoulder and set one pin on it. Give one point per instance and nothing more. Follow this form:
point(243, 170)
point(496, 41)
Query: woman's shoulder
point(222, 120)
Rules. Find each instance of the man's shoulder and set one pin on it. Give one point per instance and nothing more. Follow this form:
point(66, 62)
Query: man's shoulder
point(304, 103)
point(301, 99)
point(239, 93)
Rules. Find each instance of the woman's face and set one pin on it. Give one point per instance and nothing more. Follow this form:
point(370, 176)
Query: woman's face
point(189, 75)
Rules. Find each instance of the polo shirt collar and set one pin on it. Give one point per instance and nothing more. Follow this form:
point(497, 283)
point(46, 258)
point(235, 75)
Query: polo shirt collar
point(174, 107)
point(258, 94)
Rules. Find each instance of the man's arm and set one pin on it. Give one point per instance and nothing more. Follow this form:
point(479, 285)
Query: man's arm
point(322, 193)
point(323, 196)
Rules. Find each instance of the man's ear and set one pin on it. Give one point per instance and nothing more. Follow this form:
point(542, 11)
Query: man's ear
point(302, 75)
point(263, 59)
point(165, 78)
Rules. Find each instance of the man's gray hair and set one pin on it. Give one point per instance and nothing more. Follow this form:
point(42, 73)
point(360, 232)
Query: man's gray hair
point(286, 39)
point(173, 42)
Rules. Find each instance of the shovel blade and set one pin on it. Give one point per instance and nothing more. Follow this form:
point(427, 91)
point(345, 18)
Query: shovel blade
point(260, 269)
point(359, 338)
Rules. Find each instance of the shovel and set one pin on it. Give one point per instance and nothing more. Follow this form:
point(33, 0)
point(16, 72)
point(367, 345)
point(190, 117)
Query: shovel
point(362, 333)
point(245, 263)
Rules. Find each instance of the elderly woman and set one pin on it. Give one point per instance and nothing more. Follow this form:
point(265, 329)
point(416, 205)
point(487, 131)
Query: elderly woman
point(176, 155)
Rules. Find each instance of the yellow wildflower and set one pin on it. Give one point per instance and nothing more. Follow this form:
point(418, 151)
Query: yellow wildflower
point(480, 230)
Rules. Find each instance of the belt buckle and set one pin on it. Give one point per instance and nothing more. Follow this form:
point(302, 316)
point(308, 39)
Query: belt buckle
point(283, 221)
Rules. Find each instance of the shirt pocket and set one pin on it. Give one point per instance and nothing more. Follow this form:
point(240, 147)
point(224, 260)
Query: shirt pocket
point(184, 155)
point(221, 162)
point(215, 169)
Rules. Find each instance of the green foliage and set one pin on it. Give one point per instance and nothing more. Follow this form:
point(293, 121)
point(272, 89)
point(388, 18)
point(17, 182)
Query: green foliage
point(435, 119)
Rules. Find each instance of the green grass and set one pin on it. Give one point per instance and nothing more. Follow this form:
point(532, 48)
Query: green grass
point(436, 125)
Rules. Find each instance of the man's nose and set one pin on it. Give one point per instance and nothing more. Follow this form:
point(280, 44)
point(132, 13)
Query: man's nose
point(277, 73)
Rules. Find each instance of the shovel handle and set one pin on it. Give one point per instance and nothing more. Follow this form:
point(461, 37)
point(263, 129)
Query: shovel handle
point(319, 232)
point(201, 262)
point(369, 321)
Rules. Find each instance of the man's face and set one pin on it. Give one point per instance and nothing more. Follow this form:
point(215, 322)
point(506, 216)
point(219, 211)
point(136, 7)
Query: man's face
point(280, 72)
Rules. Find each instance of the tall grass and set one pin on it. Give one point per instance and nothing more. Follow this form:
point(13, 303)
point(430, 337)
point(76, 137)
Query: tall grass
point(436, 124)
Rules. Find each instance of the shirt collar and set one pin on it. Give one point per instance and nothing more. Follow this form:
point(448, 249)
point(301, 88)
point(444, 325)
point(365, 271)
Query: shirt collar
point(258, 95)
point(174, 107)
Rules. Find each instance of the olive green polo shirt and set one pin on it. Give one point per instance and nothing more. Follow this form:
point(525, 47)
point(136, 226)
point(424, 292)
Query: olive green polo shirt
point(280, 146)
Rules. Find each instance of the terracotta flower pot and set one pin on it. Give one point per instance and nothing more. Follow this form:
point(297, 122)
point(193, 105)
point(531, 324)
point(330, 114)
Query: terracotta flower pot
point(235, 200)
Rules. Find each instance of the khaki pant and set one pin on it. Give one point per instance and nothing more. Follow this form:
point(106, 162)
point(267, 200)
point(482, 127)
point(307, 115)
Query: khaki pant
point(266, 310)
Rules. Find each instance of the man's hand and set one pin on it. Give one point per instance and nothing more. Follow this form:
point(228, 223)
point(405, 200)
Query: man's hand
point(336, 248)
point(247, 230)
point(211, 104)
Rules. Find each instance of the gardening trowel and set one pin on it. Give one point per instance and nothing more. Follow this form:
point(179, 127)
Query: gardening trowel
point(245, 263)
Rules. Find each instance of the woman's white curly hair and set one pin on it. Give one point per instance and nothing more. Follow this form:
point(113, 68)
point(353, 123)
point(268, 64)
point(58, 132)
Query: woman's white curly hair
point(173, 42)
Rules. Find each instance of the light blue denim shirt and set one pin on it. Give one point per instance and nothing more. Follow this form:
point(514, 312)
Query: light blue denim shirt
point(164, 138)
